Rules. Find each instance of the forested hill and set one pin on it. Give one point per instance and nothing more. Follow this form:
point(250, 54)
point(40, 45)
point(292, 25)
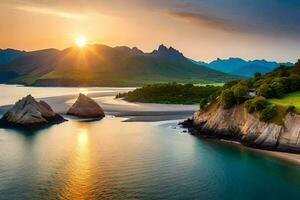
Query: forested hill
point(262, 93)
point(101, 65)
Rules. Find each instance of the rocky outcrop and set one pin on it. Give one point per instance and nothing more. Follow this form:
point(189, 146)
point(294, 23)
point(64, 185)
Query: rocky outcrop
point(86, 107)
point(170, 52)
point(237, 124)
point(27, 112)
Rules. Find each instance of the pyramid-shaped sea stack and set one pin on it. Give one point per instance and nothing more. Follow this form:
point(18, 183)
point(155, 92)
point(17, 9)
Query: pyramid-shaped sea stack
point(86, 107)
point(28, 112)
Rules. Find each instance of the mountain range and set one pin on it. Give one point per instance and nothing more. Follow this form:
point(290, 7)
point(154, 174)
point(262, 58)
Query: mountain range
point(7, 55)
point(240, 67)
point(101, 65)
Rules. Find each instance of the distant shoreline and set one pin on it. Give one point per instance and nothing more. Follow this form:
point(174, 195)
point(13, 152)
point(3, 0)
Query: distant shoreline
point(147, 112)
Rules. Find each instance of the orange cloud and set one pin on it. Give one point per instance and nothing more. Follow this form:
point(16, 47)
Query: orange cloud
point(50, 11)
point(209, 21)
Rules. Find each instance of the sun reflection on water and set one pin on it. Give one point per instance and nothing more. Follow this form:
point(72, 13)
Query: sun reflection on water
point(78, 179)
point(83, 138)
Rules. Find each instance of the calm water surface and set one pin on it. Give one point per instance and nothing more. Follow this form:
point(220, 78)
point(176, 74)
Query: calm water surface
point(9, 94)
point(111, 159)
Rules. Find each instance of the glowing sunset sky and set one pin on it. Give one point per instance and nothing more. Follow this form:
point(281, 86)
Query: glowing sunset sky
point(201, 29)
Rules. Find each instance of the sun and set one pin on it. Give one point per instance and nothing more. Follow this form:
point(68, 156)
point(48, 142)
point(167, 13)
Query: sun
point(80, 41)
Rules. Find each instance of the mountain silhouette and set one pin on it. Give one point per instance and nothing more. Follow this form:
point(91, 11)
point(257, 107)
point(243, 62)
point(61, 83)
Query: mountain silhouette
point(241, 67)
point(101, 65)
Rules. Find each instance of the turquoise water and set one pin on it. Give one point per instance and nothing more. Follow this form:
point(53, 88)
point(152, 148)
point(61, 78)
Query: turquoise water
point(111, 159)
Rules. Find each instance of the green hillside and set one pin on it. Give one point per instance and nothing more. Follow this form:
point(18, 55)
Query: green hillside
point(288, 100)
point(170, 93)
point(100, 65)
point(271, 95)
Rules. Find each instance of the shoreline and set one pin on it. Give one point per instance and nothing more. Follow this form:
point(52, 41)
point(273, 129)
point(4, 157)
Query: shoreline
point(288, 157)
point(145, 112)
point(105, 97)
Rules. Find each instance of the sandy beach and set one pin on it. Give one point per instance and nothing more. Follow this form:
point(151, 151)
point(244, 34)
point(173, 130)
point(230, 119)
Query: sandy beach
point(119, 107)
point(289, 157)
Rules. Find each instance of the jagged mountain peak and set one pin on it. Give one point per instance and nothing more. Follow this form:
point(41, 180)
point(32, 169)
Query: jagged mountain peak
point(170, 52)
point(98, 64)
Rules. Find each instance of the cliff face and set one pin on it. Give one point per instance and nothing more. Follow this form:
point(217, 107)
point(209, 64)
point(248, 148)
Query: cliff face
point(237, 124)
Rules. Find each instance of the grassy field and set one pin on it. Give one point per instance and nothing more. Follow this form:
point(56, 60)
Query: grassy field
point(290, 99)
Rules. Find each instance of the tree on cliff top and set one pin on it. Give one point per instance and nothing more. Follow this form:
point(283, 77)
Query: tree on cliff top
point(240, 92)
point(227, 98)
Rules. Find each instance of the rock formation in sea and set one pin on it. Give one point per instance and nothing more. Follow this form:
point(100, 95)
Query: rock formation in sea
point(28, 112)
point(237, 124)
point(86, 107)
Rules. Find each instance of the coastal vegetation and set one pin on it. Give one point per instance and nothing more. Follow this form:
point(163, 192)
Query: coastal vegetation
point(249, 112)
point(276, 92)
point(291, 100)
point(172, 93)
point(270, 96)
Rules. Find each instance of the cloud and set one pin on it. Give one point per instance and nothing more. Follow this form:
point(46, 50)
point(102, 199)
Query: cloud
point(50, 11)
point(201, 19)
point(275, 18)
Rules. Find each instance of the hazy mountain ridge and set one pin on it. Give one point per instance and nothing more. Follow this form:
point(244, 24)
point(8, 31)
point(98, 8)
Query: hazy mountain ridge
point(7, 55)
point(241, 67)
point(103, 65)
point(134, 50)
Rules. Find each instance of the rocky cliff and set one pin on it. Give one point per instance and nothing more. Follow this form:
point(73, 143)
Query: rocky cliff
point(237, 124)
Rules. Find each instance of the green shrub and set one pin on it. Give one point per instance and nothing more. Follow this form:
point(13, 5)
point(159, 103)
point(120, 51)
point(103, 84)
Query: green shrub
point(257, 104)
point(278, 89)
point(268, 113)
point(286, 83)
point(240, 92)
point(291, 109)
point(294, 83)
point(227, 99)
point(265, 90)
point(203, 103)
point(249, 106)
point(260, 103)
point(246, 82)
point(229, 84)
